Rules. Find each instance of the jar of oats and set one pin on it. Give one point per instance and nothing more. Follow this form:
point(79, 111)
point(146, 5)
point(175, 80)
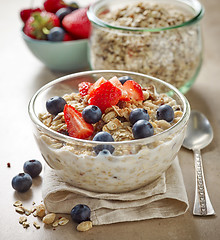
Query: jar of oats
point(161, 38)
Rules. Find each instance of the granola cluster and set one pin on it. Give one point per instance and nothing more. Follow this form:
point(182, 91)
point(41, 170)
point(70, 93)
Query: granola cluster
point(172, 55)
point(115, 120)
point(38, 211)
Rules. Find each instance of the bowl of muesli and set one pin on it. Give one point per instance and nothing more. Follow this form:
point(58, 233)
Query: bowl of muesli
point(108, 130)
point(160, 38)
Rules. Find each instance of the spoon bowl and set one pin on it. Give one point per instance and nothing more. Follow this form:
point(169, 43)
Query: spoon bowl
point(199, 134)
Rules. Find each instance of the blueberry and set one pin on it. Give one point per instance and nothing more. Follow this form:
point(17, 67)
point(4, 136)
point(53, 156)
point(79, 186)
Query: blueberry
point(22, 182)
point(80, 213)
point(165, 112)
point(55, 105)
point(142, 129)
point(62, 12)
point(138, 114)
point(103, 137)
point(56, 34)
point(91, 114)
point(105, 152)
point(124, 79)
point(32, 167)
point(73, 6)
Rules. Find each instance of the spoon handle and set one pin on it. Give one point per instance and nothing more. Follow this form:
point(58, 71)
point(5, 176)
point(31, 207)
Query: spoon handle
point(202, 204)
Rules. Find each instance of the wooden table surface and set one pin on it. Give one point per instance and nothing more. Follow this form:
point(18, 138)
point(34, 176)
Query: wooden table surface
point(21, 75)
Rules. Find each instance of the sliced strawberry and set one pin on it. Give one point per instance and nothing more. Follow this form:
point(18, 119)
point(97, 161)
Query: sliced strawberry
point(134, 90)
point(77, 23)
point(54, 5)
point(115, 81)
point(96, 85)
point(84, 88)
point(105, 96)
point(76, 125)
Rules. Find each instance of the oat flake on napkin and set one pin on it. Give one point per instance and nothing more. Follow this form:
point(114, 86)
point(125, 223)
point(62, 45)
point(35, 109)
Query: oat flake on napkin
point(165, 197)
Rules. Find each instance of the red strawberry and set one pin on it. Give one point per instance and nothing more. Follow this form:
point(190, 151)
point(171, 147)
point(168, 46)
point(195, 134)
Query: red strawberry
point(105, 96)
point(68, 37)
point(84, 88)
point(76, 125)
point(54, 5)
point(118, 84)
point(77, 23)
point(26, 13)
point(96, 85)
point(39, 23)
point(134, 90)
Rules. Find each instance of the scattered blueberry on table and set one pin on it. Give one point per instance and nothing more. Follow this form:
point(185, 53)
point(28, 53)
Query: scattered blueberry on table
point(32, 167)
point(22, 182)
point(80, 213)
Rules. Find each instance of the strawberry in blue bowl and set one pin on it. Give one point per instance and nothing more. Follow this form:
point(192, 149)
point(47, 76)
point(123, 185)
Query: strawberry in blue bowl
point(57, 34)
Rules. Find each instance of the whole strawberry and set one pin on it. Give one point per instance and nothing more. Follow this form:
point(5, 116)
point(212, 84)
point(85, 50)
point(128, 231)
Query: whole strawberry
point(77, 23)
point(54, 5)
point(39, 23)
point(26, 13)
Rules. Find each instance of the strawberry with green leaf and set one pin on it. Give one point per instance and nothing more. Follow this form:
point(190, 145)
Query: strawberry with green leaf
point(39, 24)
point(26, 13)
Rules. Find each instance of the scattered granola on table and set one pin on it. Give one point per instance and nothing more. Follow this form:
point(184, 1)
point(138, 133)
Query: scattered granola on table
point(40, 212)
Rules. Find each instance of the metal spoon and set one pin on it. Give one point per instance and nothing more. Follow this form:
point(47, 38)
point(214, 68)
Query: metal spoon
point(199, 134)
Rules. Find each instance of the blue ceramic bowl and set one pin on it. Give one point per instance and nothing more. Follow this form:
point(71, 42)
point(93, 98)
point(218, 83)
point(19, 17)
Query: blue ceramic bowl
point(66, 56)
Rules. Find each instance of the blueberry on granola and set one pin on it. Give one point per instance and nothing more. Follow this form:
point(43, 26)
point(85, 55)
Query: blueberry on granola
point(92, 114)
point(22, 182)
point(165, 112)
point(142, 129)
point(124, 79)
point(80, 213)
point(138, 114)
point(55, 105)
point(103, 137)
point(32, 167)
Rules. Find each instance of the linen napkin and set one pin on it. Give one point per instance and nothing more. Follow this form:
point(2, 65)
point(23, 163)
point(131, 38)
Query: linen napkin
point(163, 198)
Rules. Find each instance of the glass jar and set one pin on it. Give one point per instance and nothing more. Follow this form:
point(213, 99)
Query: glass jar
point(171, 51)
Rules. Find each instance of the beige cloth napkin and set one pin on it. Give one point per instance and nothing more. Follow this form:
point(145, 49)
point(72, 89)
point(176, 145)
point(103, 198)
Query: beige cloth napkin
point(165, 197)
